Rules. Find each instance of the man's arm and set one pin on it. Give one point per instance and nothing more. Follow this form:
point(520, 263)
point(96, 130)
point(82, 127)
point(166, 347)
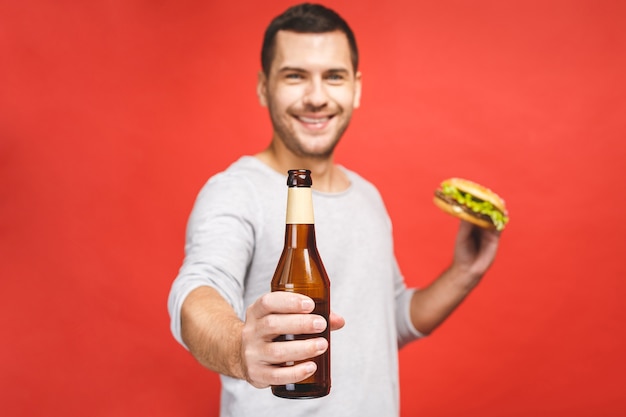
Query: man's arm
point(220, 341)
point(217, 346)
point(474, 252)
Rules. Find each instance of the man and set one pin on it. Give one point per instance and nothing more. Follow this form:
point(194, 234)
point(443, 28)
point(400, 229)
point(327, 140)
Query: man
point(219, 304)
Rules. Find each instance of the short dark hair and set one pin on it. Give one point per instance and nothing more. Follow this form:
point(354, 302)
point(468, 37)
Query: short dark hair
point(306, 18)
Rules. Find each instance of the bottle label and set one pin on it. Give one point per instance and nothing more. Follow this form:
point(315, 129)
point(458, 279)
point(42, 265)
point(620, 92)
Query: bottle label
point(300, 206)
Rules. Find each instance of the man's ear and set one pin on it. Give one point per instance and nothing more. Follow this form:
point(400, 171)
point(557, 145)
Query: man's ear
point(261, 88)
point(357, 90)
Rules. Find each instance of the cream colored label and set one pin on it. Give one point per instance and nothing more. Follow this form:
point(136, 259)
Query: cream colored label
point(300, 206)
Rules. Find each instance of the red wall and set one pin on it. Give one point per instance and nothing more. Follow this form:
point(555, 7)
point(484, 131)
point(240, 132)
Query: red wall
point(113, 114)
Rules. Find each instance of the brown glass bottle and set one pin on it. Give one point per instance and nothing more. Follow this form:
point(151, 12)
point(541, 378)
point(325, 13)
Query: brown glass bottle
point(300, 270)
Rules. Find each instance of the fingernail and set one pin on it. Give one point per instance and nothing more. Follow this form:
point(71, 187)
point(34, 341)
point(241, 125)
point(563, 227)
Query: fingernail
point(310, 367)
point(320, 344)
point(308, 304)
point(319, 324)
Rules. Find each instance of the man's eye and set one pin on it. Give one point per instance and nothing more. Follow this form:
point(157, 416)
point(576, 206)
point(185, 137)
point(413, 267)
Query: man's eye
point(335, 77)
point(294, 76)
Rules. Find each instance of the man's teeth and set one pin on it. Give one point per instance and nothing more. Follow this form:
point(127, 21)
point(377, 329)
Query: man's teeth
point(314, 120)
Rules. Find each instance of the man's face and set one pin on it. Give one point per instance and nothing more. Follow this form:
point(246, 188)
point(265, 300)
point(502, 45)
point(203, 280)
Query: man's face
point(310, 91)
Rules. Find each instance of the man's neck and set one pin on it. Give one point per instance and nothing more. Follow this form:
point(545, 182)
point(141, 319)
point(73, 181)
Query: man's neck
point(327, 177)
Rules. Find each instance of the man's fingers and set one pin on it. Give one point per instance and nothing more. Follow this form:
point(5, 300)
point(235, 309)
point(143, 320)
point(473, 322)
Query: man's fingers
point(285, 362)
point(278, 352)
point(281, 302)
point(283, 312)
point(274, 352)
point(274, 325)
point(282, 375)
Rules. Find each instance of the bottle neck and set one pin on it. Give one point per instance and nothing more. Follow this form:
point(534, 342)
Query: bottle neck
point(300, 229)
point(300, 206)
point(300, 236)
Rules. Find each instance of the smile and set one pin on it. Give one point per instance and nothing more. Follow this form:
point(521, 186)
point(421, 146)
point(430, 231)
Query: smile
point(314, 122)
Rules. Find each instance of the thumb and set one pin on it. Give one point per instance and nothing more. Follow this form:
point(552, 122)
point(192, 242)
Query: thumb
point(336, 321)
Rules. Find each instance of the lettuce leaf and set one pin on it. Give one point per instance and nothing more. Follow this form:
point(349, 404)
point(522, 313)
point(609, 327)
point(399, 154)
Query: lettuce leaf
point(476, 205)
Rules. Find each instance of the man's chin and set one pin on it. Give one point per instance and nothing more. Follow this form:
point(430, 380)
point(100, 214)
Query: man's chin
point(314, 154)
point(310, 146)
point(322, 151)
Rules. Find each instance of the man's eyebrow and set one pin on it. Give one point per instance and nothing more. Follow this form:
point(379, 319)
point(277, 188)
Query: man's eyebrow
point(298, 69)
point(335, 70)
point(288, 69)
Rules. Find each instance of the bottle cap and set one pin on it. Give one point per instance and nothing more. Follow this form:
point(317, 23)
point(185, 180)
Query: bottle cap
point(299, 178)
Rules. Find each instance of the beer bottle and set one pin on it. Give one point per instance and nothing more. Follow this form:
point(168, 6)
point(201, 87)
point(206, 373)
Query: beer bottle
point(300, 270)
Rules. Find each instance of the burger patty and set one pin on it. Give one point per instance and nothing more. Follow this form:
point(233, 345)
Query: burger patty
point(440, 195)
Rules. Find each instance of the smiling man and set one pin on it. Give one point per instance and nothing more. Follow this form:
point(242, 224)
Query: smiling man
point(310, 87)
point(220, 305)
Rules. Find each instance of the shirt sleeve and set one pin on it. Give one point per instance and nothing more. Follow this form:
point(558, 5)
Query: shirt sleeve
point(404, 325)
point(219, 245)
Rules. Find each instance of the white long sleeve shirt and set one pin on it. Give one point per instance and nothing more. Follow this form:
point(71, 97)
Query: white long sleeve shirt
point(235, 236)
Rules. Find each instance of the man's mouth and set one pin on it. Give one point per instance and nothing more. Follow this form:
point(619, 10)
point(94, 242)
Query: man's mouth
point(314, 122)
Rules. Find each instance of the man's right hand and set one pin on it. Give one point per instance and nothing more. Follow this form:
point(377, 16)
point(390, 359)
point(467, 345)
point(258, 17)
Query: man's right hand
point(276, 314)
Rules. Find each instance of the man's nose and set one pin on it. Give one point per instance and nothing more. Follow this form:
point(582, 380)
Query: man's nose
point(316, 95)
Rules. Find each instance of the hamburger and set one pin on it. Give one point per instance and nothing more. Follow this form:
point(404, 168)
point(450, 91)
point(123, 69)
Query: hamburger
point(472, 202)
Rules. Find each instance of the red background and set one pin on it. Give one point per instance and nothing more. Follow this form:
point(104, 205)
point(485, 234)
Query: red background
point(113, 114)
